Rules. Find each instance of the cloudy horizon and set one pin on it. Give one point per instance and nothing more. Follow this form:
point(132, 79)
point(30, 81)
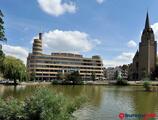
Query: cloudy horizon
point(99, 27)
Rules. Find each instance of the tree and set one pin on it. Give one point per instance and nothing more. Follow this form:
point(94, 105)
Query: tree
point(125, 67)
point(2, 33)
point(14, 69)
point(2, 56)
point(32, 76)
point(60, 76)
point(74, 77)
point(154, 74)
point(124, 70)
point(116, 75)
point(144, 75)
point(93, 76)
point(2, 38)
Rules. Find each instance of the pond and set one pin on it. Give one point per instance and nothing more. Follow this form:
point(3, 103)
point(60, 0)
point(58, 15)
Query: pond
point(105, 102)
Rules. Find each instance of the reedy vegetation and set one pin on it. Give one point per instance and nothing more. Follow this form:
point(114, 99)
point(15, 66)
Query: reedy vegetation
point(42, 105)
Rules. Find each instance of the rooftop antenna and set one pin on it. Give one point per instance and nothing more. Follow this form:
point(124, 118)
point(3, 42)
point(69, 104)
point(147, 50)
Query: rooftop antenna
point(40, 33)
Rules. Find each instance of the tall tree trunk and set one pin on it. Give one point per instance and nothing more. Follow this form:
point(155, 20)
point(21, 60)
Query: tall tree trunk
point(15, 82)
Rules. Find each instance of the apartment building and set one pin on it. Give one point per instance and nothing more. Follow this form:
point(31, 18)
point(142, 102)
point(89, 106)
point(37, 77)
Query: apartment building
point(48, 67)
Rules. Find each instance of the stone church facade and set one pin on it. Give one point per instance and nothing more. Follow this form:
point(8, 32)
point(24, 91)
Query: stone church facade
point(144, 61)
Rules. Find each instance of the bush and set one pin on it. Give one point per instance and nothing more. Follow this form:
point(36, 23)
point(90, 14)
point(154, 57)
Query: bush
point(42, 105)
point(122, 82)
point(57, 82)
point(74, 77)
point(11, 109)
point(147, 86)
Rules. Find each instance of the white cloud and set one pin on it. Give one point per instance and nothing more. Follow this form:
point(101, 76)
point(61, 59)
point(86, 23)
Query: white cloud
point(68, 41)
point(132, 44)
point(124, 58)
point(16, 51)
point(57, 7)
point(155, 28)
point(100, 1)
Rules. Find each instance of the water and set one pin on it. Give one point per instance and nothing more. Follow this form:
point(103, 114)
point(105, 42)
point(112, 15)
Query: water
point(105, 102)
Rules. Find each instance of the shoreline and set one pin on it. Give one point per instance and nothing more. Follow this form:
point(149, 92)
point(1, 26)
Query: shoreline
point(106, 83)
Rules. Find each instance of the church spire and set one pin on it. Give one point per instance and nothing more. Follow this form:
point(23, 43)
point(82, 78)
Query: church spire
point(147, 23)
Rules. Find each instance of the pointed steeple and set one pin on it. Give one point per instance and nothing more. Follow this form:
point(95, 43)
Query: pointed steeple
point(147, 23)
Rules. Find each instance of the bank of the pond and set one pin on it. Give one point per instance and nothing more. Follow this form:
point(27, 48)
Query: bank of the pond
point(131, 83)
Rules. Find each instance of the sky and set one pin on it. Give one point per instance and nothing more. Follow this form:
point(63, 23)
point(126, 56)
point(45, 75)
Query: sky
point(109, 28)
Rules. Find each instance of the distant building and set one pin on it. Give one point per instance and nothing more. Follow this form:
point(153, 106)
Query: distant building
point(111, 71)
point(124, 72)
point(47, 67)
point(105, 72)
point(144, 61)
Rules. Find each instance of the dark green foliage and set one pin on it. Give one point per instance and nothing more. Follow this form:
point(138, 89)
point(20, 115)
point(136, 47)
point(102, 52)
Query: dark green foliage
point(154, 75)
point(122, 82)
point(125, 67)
point(74, 77)
point(32, 76)
point(2, 57)
point(11, 109)
point(2, 33)
point(55, 82)
point(42, 105)
point(145, 75)
point(14, 69)
point(93, 76)
point(116, 75)
point(147, 86)
point(61, 76)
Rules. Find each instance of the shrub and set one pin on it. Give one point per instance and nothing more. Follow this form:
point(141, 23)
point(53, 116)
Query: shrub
point(122, 82)
point(56, 82)
point(11, 109)
point(147, 86)
point(42, 105)
point(74, 77)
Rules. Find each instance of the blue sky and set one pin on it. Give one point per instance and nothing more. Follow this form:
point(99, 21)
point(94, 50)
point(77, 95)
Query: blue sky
point(110, 28)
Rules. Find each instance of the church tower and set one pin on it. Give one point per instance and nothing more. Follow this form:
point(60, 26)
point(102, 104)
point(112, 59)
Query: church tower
point(147, 51)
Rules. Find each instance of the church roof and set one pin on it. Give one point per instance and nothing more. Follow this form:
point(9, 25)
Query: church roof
point(147, 23)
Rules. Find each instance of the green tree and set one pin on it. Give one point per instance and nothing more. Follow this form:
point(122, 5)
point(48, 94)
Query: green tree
point(14, 69)
point(2, 33)
point(32, 76)
point(74, 77)
point(116, 75)
point(93, 76)
point(125, 67)
point(145, 75)
point(2, 38)
point(60, 76)
point(154, 74)
point(2, 57)
point(147, 85)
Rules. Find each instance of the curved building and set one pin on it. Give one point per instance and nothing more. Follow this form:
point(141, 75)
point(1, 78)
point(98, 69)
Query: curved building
point(47, 67)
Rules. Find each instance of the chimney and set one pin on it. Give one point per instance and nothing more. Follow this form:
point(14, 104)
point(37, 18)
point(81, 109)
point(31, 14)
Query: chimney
point(40, 36)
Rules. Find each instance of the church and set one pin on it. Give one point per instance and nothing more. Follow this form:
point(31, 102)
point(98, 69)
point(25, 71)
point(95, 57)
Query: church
point(144, 61)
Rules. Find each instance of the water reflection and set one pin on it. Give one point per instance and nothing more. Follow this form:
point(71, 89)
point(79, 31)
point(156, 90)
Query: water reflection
point(105, 102)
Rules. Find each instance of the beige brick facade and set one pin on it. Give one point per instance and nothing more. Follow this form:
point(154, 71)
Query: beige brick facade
point(144, 61)
point(47, 67)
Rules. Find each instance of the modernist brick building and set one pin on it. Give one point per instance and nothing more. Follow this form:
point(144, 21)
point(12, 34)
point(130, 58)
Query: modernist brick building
point(47, 67)
point(144, 61)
